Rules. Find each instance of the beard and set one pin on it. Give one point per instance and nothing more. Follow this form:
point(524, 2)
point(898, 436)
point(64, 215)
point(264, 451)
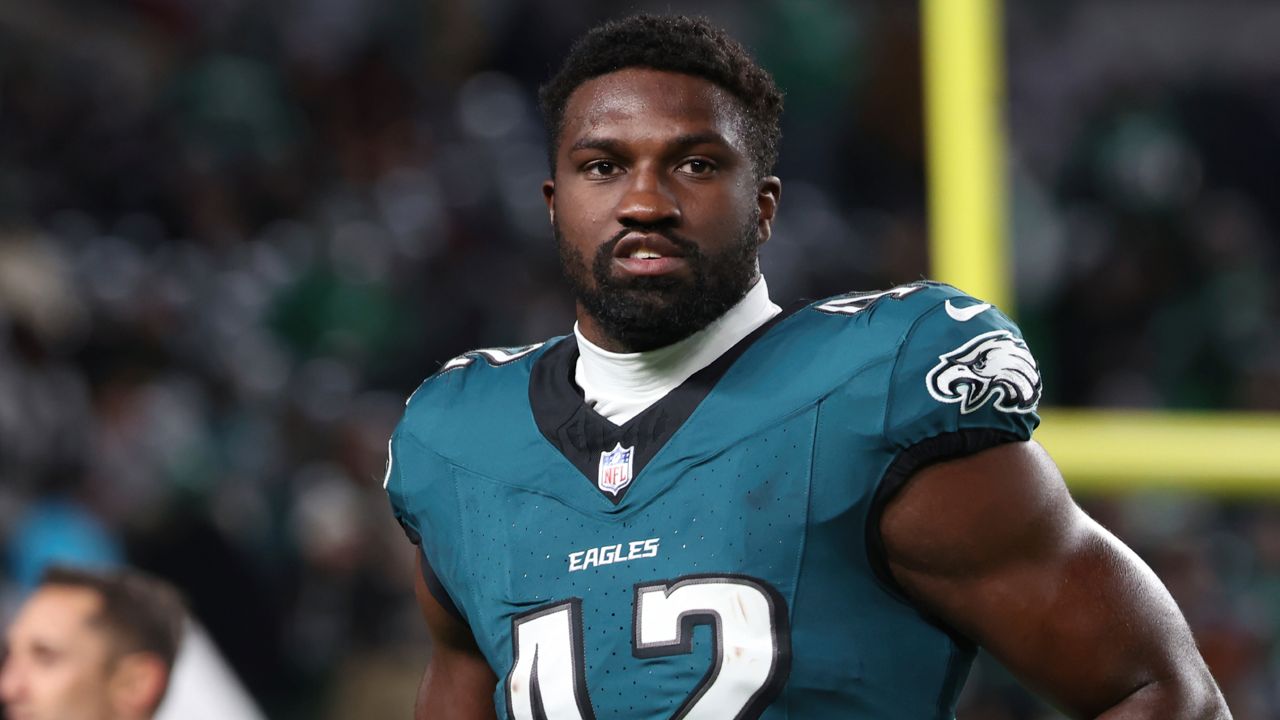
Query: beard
point(645, 313)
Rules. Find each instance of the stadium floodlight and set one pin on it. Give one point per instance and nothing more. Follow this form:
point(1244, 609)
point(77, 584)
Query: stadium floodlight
point(1097, 450)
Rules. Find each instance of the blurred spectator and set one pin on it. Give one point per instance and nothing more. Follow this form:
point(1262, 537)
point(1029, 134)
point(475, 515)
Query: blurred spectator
point(91, 645)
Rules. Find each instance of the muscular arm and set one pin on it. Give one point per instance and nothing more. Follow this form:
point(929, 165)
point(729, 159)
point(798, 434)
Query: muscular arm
point(459, 683)
point(994, 545)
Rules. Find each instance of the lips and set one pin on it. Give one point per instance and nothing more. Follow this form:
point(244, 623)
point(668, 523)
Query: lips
point(647, 254)
point(647, 246)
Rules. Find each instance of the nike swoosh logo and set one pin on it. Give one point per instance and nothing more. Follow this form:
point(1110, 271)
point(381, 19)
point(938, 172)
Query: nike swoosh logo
point(965, 314)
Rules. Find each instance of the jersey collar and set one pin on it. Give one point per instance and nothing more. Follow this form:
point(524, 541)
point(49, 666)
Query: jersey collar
point(620, 386)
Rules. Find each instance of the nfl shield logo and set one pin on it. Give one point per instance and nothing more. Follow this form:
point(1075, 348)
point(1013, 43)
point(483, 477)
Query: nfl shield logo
point(615, 469)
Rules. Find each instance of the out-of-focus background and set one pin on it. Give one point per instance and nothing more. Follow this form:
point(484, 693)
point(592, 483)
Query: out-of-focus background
point(234, 236)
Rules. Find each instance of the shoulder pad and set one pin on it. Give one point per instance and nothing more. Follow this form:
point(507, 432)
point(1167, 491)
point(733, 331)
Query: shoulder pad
point(853, 303)
point(904, 301)
point(484, 357)
point(495, 357)
point(961, 364)
point(468, 388)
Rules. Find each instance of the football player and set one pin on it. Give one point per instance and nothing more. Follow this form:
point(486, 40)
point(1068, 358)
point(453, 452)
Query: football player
point(699, 505)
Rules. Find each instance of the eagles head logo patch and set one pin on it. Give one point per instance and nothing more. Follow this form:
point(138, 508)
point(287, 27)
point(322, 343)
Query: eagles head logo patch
point(992, 365)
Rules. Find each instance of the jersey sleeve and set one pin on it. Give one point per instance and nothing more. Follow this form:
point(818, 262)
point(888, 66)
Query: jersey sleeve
point(400, 463)
point(963, 381)
point(963, 371)
point(393, 483)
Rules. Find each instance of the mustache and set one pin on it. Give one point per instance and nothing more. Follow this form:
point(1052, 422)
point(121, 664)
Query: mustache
point(688, 247)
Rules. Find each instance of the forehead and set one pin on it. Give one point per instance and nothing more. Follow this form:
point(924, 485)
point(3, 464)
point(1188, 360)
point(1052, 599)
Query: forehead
point(642, 103)
point(56, 614)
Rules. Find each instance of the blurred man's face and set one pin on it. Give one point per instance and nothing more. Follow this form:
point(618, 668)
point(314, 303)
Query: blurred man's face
point(58, 663)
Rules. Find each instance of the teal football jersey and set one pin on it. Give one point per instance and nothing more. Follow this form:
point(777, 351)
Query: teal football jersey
point(718, 556)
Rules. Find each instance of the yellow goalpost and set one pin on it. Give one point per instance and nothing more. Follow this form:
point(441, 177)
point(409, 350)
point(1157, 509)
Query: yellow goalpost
point(1098, 450)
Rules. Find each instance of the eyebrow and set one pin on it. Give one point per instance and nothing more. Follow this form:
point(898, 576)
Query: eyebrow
point(709, 137)
point(596, 143)
point(612, 145)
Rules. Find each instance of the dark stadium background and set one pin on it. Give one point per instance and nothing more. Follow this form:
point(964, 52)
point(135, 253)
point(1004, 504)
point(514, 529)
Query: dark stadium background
point(234, 236)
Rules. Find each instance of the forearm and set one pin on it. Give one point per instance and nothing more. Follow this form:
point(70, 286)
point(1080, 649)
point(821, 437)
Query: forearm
point(1173, 699)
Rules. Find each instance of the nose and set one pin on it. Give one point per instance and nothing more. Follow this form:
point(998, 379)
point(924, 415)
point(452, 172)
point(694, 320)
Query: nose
point(648, 200)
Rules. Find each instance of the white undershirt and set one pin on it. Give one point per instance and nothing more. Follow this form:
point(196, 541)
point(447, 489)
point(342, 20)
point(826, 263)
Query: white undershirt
point(620, 386)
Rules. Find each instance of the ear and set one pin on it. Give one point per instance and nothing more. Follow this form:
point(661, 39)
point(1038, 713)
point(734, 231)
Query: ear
point(768, 194)
point(549, 196)
point(138, 684)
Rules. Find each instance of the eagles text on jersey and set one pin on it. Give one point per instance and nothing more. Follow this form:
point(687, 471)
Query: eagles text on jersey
point(718, 556)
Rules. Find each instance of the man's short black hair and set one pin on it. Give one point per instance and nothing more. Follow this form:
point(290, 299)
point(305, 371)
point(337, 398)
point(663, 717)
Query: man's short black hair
point(673, 43)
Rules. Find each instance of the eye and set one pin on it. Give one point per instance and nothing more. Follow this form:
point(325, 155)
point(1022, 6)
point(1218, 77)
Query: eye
point(697, 166)
point(602, 168)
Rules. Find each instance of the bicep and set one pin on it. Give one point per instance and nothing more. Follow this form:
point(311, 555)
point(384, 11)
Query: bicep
point(994, 545)
point(459, 682)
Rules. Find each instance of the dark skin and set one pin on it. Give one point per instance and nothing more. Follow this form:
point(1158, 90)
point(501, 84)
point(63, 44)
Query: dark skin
point(645, 149)
point(991, 543)
point(459, 682)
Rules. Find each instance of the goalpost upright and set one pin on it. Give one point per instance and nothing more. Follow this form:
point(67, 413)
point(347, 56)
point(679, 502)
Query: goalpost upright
point(969, 246)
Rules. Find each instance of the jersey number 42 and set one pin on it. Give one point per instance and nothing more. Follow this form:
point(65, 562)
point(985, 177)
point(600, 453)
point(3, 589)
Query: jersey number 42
point(750, 664)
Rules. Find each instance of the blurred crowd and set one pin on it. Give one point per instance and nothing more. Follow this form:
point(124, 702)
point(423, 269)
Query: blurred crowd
point(234, 237)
